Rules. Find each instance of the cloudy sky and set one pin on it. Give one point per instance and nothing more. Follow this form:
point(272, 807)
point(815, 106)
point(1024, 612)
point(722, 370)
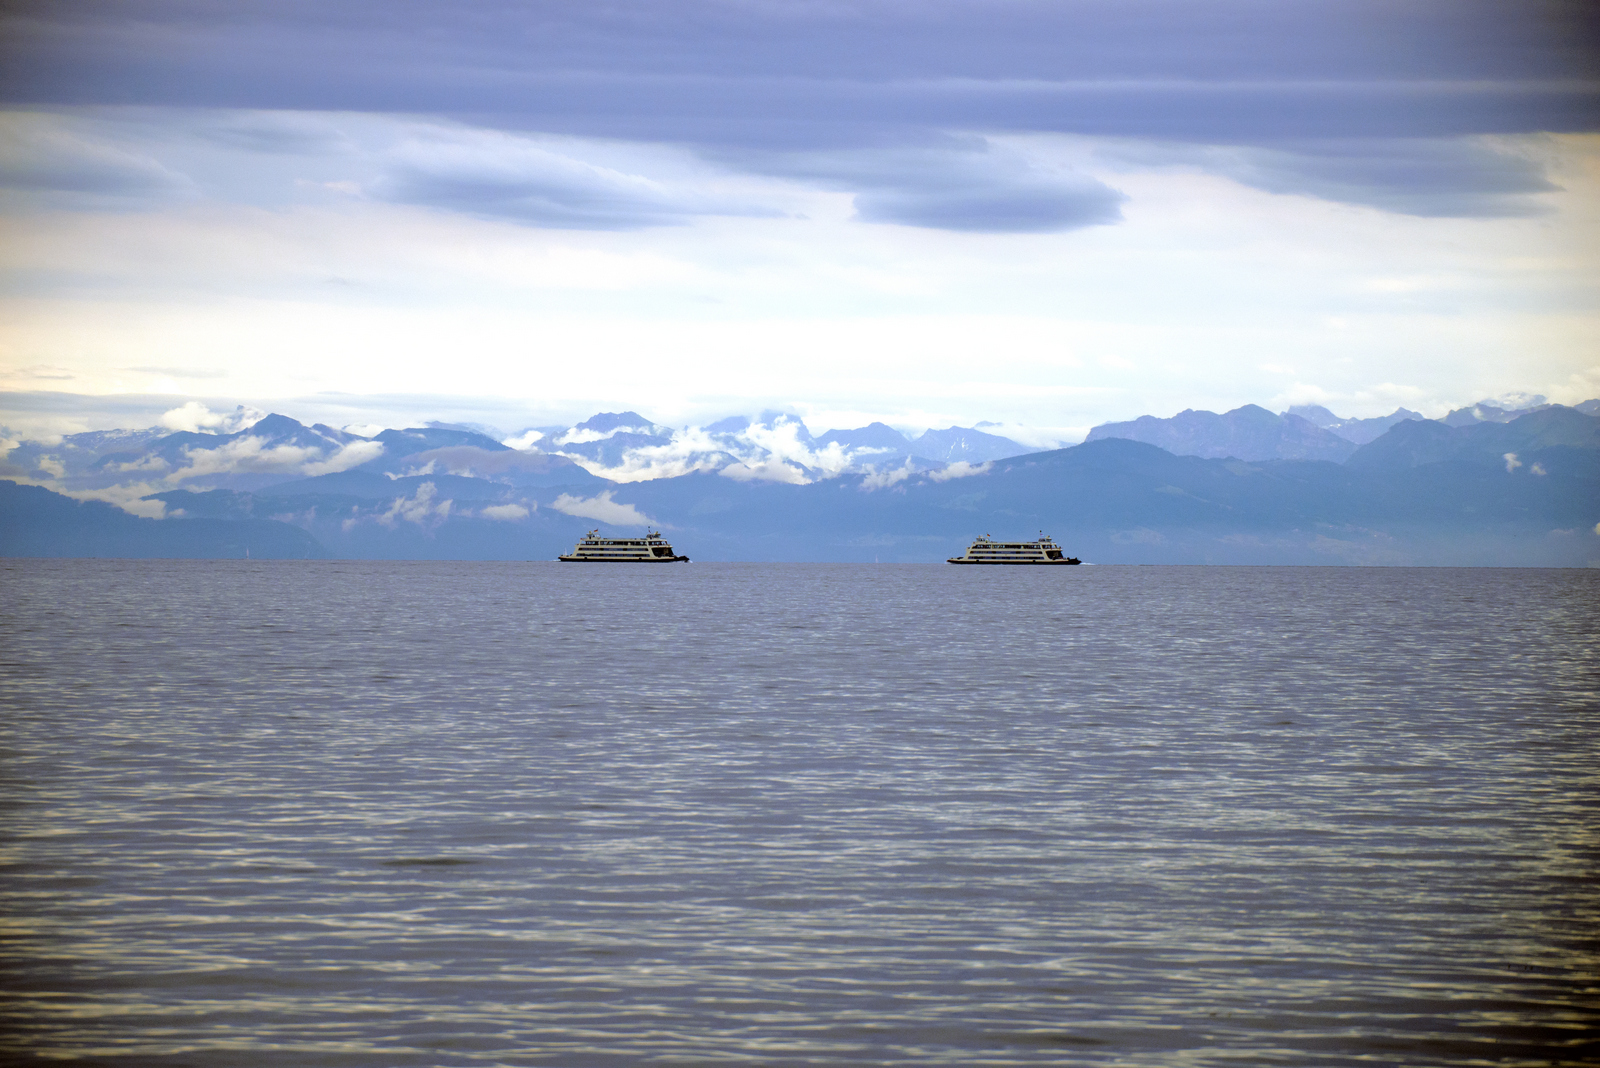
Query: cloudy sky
point(1047, 214)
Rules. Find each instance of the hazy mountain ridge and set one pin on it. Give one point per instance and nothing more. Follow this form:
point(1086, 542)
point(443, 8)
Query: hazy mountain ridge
point(1306, 432)
point(1359, 431)
point(624, 447)
point(959, 444)
point(1508, 410)
point(37, 522)
point(1246, 433)
point(1416, 443)
point(258, 455)
point(1523, 492)
point(276, 450)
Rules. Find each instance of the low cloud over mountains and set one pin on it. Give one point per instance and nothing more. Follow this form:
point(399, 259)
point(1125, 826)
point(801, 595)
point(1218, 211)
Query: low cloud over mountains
point(1488, 484)
point(773, 447)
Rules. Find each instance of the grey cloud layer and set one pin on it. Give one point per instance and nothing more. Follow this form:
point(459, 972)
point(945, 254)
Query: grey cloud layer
point(1305, 92)
point(103, 157)
point(709, 69)
point(39, 157)
point(505, 177)
point(1430, 177)
point(271, 158)
point(965, 183)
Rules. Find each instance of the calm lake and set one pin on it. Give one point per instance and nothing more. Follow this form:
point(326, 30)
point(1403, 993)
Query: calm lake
point(419, 814)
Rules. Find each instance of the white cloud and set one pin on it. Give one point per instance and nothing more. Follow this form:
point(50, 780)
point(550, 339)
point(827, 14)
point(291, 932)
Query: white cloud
point(127, 497)
point(152, 462)
point(771, 469)
point(1538, 469)
point(347, 456)
point(492, 174)
point(781, 440)
point(507, 512)
point(46, 156)
point(884, 479)
point(583, 436)
point(197, 418)
point(419, 508)
point(152, 473)
point(960, 469)
point(772, 452)
point(602, 508)
point(245, 454)
point(147, 509)
point(586, 435)
point(688, 451)
point(773, 310)
point(524, 441)
point(1512, 463)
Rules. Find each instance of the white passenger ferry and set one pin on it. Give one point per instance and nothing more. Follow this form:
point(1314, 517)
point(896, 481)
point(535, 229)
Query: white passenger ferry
point(1042, 551)
point(650, 549)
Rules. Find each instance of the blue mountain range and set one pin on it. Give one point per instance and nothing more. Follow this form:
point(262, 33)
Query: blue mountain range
point(1521, 491)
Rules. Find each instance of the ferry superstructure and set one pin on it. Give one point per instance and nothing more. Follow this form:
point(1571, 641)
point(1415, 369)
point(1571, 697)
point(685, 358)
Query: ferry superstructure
point(650, 549)
point(1042, 551)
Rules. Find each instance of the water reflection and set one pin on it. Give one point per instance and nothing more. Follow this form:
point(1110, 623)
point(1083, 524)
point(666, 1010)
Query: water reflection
point(383, 814)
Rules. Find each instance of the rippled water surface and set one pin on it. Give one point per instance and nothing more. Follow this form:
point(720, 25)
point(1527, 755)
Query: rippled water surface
point(376, 814)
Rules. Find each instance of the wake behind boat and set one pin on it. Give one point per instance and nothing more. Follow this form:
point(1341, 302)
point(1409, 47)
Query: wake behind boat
point(650, 549)
point(1042, 551)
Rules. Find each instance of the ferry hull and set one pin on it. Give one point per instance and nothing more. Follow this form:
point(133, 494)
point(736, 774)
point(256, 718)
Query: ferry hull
point(623, 560)
point(1068, 562)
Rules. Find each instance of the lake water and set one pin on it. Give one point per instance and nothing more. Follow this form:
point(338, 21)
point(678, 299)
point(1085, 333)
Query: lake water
point(380, 814)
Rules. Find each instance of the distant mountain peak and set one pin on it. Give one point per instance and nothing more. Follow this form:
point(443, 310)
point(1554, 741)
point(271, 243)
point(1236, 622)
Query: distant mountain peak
point(1248, 432)
point(875, 437)
point(1359, 431)
point(272, 424)
point(609, 422)
point(1501, 410)
point(417, 439)
point(959, 444)
point(1487, 443)
point(1315, 414)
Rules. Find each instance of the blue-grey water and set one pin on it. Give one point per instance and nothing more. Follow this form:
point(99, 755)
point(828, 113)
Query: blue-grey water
point(395, 814)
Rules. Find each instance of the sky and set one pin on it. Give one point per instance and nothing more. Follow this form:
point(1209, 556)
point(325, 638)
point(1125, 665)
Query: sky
point(1046, 215)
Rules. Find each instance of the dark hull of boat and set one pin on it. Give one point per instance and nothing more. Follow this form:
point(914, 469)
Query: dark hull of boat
point(1015, 563)
point(640, 560)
